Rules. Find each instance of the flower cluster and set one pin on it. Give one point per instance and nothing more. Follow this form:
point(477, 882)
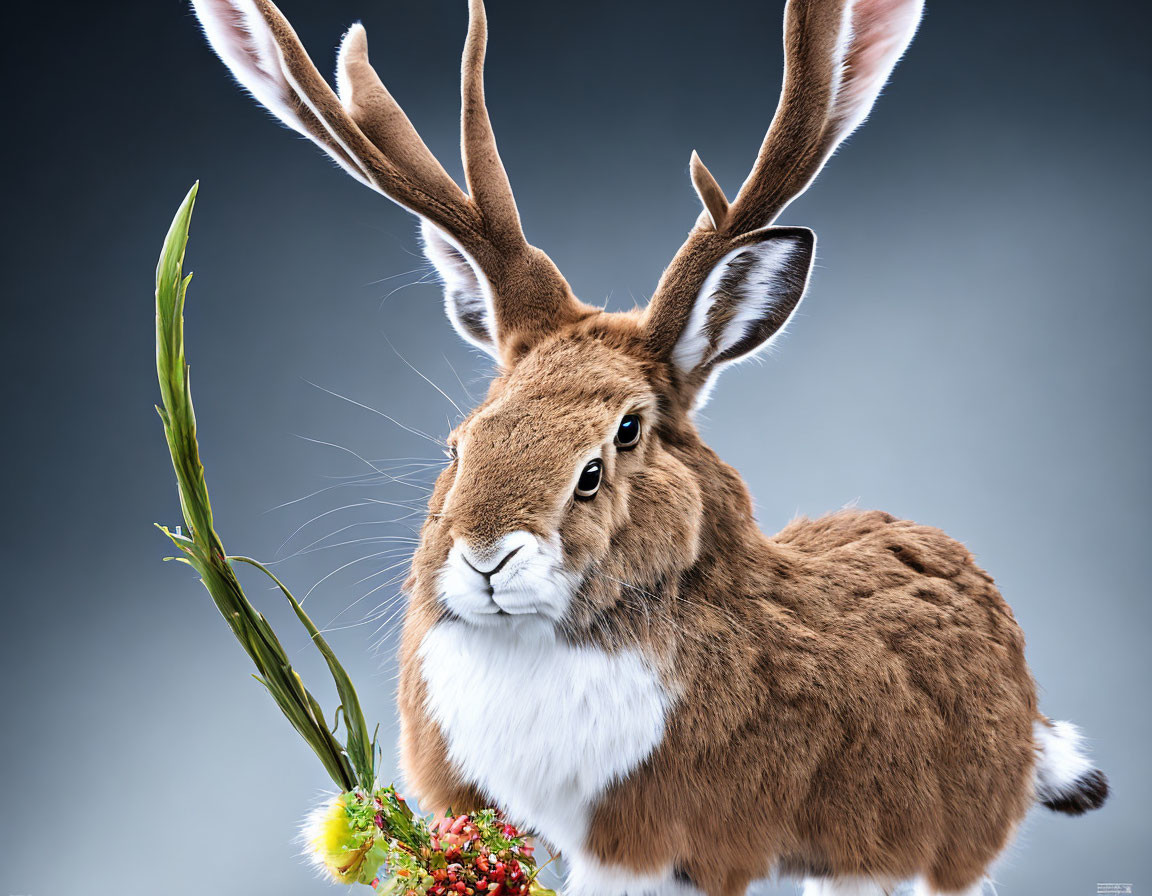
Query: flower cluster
point(376, 839)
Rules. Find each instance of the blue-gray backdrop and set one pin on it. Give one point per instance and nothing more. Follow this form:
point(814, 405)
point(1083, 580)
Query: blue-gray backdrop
point(972, 354)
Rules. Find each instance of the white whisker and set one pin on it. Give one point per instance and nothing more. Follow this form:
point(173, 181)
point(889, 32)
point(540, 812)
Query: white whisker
point(391, 420)
point(338, 569)
point(364, 596)
point(412, 367)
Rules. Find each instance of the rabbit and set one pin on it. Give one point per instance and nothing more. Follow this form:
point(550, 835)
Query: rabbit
point(599, 640)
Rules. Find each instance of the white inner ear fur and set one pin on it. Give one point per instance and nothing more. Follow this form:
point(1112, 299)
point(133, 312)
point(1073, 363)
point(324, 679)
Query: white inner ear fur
point(874, 35)
point(754, 294)
point(467, 293)
point(241, 38)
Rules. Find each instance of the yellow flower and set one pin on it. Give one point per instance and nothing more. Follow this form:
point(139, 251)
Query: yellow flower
point(338, 847)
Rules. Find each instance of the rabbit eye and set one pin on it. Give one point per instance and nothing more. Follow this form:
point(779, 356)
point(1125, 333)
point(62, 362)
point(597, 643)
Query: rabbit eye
point(450, 452)
point(589, 482)
point(628, 435)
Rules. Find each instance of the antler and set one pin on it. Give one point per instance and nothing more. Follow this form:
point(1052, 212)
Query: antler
point(364, 129)
point(837, 56)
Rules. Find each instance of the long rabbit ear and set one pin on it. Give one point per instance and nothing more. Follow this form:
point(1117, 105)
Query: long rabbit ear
point(246, 43)
point(467, 292)
point(838, 55)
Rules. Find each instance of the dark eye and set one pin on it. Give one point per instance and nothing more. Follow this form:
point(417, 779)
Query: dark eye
point(628, 435)
point(589, 482)
point(450, 452)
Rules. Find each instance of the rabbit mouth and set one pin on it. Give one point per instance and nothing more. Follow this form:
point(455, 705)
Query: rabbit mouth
point(498, 610)
point(545, 603)
point(518, 578)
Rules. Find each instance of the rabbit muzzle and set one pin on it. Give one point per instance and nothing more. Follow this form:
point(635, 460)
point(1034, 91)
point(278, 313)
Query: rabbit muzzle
point(515, 579)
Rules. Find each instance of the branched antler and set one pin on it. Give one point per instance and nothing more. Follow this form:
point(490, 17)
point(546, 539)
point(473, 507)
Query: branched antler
point(364, 129)
point(837, 56)
point(502, 293)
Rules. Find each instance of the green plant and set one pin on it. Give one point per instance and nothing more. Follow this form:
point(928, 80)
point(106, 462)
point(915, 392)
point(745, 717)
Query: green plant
point(366, 825)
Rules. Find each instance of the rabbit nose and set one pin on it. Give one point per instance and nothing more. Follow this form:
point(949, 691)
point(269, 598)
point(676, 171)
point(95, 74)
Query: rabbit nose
point(489, 559)
point(488, 573)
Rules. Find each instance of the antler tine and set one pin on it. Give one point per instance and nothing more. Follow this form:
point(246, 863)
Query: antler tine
point(796, 145)
point(383, 122)
point(405, 176)
point(711, 195)
point(484, 172)
point(837, 56)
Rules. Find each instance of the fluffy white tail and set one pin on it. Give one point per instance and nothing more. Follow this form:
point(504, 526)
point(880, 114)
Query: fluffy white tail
point(1066, 780)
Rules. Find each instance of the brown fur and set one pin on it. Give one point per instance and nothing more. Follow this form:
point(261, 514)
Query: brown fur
point(853, 690)
point(850, 696)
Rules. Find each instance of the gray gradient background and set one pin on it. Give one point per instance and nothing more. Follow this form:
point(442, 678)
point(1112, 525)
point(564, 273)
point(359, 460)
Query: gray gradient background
point(972, 354)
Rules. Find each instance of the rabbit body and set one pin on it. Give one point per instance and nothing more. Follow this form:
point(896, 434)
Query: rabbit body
point(849, 697)
point(599, 639)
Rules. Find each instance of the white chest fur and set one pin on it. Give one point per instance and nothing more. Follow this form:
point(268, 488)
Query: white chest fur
point(539, 726)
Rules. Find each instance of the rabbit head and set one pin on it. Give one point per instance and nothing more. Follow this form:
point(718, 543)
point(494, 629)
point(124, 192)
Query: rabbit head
point(580, 483)
point(581, 476)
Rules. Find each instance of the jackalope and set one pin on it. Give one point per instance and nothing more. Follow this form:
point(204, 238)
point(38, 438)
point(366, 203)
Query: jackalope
point(599, 640)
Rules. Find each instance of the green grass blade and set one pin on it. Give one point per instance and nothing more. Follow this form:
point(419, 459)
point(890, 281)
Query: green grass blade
point(203, 550)
point(359, 743)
